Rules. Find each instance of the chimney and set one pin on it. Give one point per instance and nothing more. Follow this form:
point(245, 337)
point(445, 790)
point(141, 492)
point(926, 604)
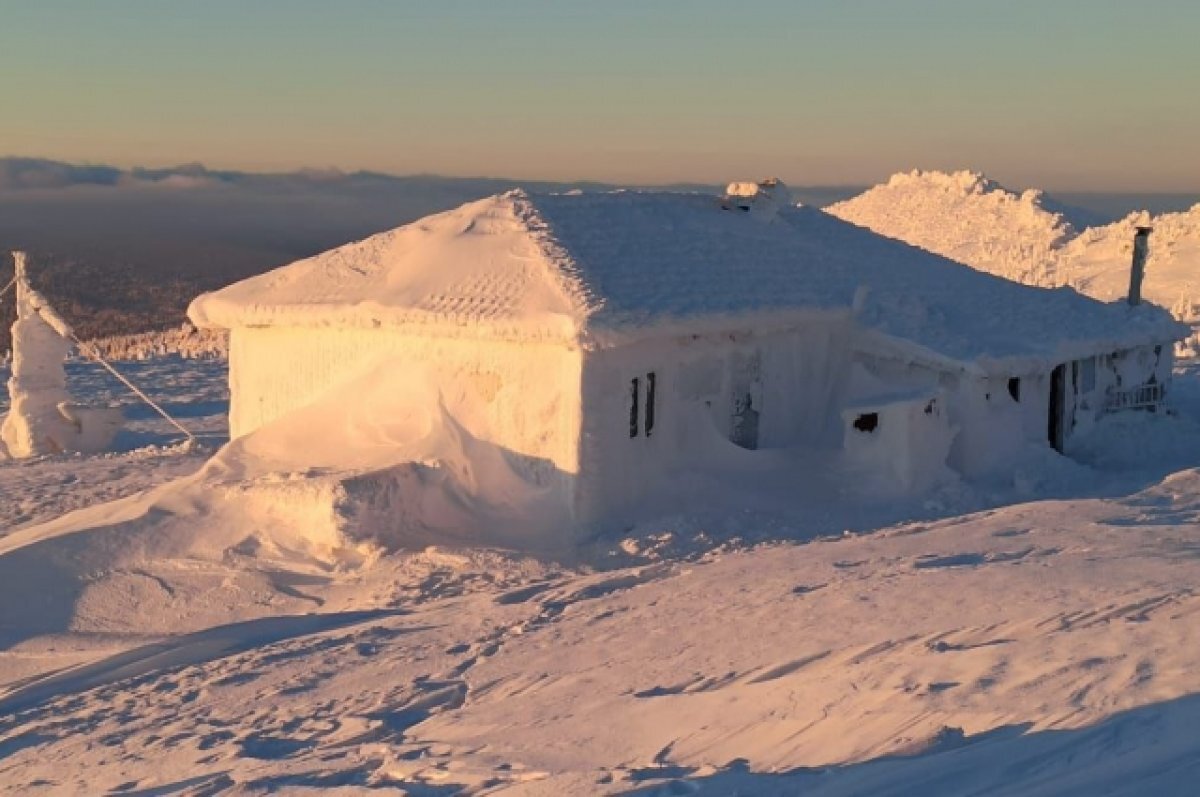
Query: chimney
point(1137, 272)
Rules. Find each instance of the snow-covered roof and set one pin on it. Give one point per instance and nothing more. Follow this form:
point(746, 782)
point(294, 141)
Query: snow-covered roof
point(597, 267)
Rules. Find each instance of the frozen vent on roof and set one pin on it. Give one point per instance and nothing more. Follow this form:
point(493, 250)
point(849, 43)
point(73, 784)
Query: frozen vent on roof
point(764, 198)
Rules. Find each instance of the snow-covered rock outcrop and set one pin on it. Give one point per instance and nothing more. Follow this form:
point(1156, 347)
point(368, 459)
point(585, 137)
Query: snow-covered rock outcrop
point(968, 218)
point(1029, 238)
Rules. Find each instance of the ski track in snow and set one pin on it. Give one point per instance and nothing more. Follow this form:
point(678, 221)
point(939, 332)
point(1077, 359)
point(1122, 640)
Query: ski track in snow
point(1038, 648)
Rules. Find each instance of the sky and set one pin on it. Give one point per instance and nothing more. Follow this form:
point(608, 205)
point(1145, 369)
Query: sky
point(1062, 94)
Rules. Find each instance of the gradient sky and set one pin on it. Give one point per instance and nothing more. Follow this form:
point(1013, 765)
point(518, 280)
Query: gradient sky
point(1061, 94)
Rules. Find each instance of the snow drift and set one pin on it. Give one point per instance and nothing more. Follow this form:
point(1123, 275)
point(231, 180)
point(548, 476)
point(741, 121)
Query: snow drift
point(384, 459)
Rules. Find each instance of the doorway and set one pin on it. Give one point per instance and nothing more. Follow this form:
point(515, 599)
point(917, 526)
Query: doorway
point(746, 378)
point(1058, 389)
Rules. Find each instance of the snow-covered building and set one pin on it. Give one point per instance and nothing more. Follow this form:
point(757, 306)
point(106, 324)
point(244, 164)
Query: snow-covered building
point(601, 341)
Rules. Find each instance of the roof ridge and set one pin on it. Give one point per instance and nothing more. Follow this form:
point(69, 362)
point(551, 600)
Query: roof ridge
point(565, 271)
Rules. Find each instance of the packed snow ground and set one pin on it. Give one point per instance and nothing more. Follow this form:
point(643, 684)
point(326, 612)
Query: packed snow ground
point(749, 644)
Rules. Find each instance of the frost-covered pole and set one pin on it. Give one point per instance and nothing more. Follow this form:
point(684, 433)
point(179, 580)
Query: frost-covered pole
point(1137, 272)
point(38, 383)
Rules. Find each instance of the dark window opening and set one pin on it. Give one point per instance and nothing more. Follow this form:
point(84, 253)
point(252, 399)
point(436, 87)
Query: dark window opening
point(651, 380)
point(1058, 390)
point(744, 430)
point(867, 422)
point(634, 395)
point(1014, 388)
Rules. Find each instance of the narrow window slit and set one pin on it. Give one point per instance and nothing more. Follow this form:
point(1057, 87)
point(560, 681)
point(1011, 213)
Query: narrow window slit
point(651, 381)
point(633, 408)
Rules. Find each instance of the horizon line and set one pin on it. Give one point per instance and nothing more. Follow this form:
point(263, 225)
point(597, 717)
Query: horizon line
point(336, 171)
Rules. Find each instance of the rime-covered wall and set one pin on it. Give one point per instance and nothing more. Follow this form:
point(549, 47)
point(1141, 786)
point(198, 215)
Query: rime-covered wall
point(1089, 382)
point(898, 444)
point(767, 391)
point(607, 428)
point(523, 398)
point(994, 426)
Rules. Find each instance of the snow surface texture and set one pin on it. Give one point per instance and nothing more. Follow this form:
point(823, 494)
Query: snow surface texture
point(1028, 238)
point(746, 644)
point(588, 267)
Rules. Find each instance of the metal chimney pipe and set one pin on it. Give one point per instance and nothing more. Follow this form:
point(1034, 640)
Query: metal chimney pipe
point(1137, 272)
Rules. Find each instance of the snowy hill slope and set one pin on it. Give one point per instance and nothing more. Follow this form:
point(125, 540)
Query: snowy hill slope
point(1032, 239)
point(968, 218)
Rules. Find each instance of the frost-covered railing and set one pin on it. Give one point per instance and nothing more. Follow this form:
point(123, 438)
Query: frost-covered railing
point(1140, 397)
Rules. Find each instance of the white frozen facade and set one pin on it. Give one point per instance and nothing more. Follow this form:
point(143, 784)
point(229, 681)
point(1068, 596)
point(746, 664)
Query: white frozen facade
point(602, 341)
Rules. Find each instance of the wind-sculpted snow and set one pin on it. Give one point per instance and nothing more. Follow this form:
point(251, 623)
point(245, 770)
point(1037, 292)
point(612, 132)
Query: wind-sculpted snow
point(978, 654)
